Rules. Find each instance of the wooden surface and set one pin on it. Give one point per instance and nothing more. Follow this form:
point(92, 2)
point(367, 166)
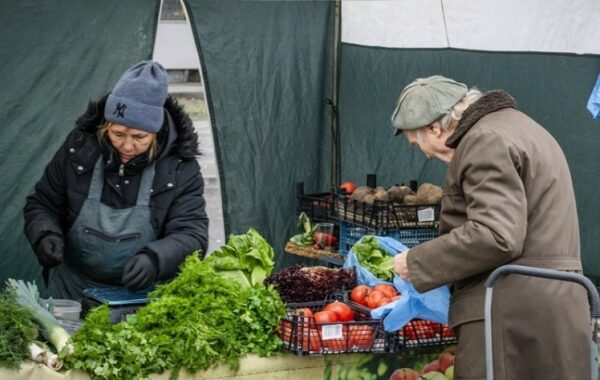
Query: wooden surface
point(314, 253)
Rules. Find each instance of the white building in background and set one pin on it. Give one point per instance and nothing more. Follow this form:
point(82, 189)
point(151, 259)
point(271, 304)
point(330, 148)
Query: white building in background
point(175, 49)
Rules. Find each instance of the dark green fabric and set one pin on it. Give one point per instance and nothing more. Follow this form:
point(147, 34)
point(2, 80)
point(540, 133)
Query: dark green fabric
point(267, 68)
point(56, 56)
point(551, 88)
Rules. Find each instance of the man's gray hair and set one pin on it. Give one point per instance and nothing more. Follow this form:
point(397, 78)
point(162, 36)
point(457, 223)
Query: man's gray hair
point(456, 112)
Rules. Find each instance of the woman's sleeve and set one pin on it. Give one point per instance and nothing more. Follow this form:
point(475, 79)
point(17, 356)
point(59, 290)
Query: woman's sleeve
point(46, 209)
point(185, 226)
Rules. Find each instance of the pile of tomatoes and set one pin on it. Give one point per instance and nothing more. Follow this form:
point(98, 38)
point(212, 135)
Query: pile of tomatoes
point(355, 336)
point(374, 297)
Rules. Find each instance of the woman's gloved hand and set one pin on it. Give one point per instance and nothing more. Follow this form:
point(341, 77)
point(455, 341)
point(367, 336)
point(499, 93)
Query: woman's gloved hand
point(140, 272)
point(50, 251)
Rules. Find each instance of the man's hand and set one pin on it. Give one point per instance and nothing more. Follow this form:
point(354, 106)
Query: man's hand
point(139, 273)
point(401, 266)
point(50, 251)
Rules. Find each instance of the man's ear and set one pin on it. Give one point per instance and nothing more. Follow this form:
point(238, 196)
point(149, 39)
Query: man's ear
point(435, 129)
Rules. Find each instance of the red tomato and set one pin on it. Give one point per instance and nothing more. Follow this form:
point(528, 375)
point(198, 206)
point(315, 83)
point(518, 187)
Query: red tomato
point(386, 289)
point(360, 337)
point(325, 316)
point(303, 311)
point(384, 301)
point(374, 298)
point(324, 239)
point(447, 332)
point(420, 329)
point(349, 187)
point(359, 294)
point(343, 312)
point(309, 340)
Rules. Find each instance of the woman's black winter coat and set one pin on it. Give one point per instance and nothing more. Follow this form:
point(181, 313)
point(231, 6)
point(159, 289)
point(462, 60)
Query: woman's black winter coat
point(177, 204)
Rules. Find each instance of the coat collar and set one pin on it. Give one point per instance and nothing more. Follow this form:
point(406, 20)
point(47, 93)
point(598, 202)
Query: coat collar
point(490, 102)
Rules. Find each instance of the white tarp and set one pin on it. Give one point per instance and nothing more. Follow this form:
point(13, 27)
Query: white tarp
point(510, 25)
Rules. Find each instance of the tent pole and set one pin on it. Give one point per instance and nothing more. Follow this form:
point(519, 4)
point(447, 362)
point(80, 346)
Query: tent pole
point(335, 127)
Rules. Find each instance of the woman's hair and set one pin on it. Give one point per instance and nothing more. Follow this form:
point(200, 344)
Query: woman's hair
point(103, 130)
point(457, 110)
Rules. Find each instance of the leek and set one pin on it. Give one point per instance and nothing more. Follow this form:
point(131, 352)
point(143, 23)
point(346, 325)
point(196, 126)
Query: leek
point(27, 295)
point(40, 353)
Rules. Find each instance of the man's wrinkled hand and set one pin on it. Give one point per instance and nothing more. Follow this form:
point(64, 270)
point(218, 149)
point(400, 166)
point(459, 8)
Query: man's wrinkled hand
point(401, 266)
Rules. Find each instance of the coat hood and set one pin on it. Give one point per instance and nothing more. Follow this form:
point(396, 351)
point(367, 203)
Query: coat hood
point(489, 102)
point(184, 144)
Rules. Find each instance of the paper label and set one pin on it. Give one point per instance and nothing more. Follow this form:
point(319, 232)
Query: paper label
point(426, 215)
point(331, 332)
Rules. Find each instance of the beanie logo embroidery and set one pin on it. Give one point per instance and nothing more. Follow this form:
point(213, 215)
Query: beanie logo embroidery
point(120, 110)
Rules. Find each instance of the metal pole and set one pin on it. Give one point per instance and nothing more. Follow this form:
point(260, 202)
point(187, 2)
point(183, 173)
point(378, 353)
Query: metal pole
point(335, 130)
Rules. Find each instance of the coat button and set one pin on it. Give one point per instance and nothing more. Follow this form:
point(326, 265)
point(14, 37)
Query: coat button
point(72, 150)
point(80, 168)
point(169, 185)
point(126, 182)
point(117, 186)
point(151, 190)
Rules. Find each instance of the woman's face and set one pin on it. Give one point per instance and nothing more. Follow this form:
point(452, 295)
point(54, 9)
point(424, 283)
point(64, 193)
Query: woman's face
point(129, 142)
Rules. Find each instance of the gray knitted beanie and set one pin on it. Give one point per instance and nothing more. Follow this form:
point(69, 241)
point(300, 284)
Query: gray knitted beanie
point(138, 97)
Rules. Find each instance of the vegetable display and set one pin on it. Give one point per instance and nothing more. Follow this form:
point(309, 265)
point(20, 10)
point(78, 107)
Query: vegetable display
point(199, 320)
point(305, 284)
point(247, 259)
point(374, 259)
point(17, 332)
point(305, 237)
point(27, 296)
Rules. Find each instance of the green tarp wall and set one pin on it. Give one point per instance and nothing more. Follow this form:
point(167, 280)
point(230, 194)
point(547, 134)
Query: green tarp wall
point(551, 88)
point(267, 68)
point(56, 56)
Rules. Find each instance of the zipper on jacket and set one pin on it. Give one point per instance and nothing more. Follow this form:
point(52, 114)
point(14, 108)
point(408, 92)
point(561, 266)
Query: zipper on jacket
point(112, 239)
point(122, 170)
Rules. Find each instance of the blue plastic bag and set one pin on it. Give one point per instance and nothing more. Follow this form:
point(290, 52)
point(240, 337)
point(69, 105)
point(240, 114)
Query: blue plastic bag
point(432, 305)
point(593, 104)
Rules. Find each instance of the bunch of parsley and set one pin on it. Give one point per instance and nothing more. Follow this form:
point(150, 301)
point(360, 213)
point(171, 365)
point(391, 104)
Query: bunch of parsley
point(198, 320)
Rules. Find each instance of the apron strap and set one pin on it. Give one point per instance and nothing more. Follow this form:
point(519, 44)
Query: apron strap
point(97, 181)
point(145, 190)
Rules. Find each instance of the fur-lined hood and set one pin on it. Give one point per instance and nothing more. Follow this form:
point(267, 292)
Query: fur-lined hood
point(490, 102)
point(184, 143)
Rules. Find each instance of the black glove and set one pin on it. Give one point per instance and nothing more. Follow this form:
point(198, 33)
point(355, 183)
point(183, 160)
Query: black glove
point(50, 251)
point(140, 272)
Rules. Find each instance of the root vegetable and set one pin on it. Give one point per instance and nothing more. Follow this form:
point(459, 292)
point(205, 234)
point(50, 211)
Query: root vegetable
point(429, 193)
point(381, 195)
point(360, 193)
point(369, 199)
point(411, 200)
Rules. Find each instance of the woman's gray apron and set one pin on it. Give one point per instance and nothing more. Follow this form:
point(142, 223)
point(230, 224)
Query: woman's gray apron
point(102, 240)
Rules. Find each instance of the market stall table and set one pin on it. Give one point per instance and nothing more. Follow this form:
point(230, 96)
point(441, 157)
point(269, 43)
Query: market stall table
point(284, 366)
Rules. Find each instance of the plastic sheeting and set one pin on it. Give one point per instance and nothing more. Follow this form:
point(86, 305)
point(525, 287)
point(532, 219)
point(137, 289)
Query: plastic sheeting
point(266, 69)
point(551, 88)
point(509, 25)
point(56, 56)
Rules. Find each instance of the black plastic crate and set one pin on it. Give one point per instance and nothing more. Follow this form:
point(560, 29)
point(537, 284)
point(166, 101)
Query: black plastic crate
point(417, 333)
point(302, 336)
point(318, 206)
point(383, 215)
point(420, 333)
point(351, 233)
